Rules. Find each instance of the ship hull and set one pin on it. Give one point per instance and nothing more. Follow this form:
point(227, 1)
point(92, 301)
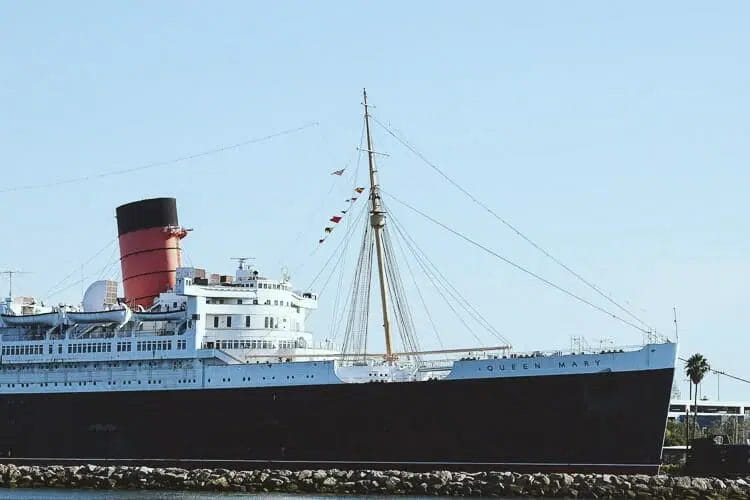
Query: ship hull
point(610, 422)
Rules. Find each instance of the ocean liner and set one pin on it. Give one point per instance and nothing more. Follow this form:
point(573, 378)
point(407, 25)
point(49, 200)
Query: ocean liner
point(190, 366)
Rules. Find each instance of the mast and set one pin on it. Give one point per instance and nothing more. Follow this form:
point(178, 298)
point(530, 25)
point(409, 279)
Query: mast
point(377, 221)
point(10, 280)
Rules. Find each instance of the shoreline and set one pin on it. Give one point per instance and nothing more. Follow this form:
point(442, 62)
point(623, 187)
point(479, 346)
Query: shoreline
point(372, 482)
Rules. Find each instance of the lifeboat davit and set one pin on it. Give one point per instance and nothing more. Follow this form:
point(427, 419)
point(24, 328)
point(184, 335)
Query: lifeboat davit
point(45, 319)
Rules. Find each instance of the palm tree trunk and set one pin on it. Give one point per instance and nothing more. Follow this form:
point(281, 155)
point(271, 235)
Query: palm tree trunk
point(687, 420)
point(695, 411)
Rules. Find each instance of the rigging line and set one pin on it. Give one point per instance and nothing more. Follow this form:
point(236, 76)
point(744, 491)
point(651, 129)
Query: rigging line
point(442, 289)
point(416, 286)
point(312, 214)
point(437, 284)
point(339, 308)
point(435, 276)
point(164, 163)
point(358, 154)
point(333, 330)
point(338, 264)
point(71, 285)
point(722, 373)
point(346, 235)
point(358, 313)
point(78, 268)
point(411, 148)
point(519, 267)
point(396, 290)
point(109, 264)
point(420, 254)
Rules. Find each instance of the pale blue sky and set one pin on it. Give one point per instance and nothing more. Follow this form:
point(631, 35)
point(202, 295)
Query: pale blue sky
point(614, 134)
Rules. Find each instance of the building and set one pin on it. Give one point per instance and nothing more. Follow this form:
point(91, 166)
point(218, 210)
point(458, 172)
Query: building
point(711, 414)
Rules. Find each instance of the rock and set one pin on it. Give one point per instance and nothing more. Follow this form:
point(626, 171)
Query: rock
point(374, 482)
point(220, 483)
point(700, 484)
point(319, 475)
point(683, 483)
point(272, 483)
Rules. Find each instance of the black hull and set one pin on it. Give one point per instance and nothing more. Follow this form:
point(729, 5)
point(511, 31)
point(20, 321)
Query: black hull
point(596, 422)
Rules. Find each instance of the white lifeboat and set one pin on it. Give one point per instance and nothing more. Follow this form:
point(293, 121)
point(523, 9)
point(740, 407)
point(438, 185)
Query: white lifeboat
point(159, 315)
point(120, 316)
point(45, 319)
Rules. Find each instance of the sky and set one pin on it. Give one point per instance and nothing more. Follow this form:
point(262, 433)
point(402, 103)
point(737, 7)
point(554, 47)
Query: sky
point(612, 134)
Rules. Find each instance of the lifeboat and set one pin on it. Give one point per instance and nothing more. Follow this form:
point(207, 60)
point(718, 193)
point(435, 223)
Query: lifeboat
point(45, 319)
point(159, 316)
point(110, 316)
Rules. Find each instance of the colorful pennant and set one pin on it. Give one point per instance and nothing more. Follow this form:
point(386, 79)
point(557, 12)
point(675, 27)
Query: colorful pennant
point(337, 218)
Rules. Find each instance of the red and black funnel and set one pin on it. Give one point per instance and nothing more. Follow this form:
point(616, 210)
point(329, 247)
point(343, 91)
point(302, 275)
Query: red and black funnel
point(149, 235)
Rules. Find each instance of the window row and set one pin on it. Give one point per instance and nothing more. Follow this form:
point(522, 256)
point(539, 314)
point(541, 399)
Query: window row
point(227, 321)
point(124, 346)
point(273, 286)
point(154, 345)
point(267, 302)
point(20, 350)
point(89, 347)
point(245, 344)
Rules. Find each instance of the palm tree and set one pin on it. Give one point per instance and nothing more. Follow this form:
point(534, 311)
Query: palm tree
point(695, 368)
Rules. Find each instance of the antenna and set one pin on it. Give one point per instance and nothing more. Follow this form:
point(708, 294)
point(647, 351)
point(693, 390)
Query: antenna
point(10, 274)
point(241, 261)
point(676, 332)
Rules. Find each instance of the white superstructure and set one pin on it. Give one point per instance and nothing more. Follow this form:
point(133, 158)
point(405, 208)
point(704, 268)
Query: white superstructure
point(249, 331)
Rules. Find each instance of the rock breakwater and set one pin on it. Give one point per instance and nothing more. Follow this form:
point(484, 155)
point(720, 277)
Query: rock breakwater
point(369, 482)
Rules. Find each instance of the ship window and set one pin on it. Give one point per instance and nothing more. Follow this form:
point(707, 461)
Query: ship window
point(247, 321)
point(229, 321)
point(255, 302)
point(239, 301)
point(216, 322)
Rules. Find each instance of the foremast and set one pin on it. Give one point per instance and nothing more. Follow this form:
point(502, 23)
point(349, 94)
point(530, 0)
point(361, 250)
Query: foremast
point(377, 221)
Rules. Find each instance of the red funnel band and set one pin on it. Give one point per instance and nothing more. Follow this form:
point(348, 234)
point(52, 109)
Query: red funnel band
point(149, 259)
point(149, 248)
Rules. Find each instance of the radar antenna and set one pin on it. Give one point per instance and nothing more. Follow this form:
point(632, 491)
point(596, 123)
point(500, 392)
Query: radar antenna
point(241, 261)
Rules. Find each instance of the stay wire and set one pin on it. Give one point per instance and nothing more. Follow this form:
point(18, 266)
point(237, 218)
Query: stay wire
point(437, 284)
point(518, 266)
point(346, 235)
point(164, 163)
point(508, 224)
point(419, 292)
point(719, 372)
point(435, 274)
point(53, 290)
